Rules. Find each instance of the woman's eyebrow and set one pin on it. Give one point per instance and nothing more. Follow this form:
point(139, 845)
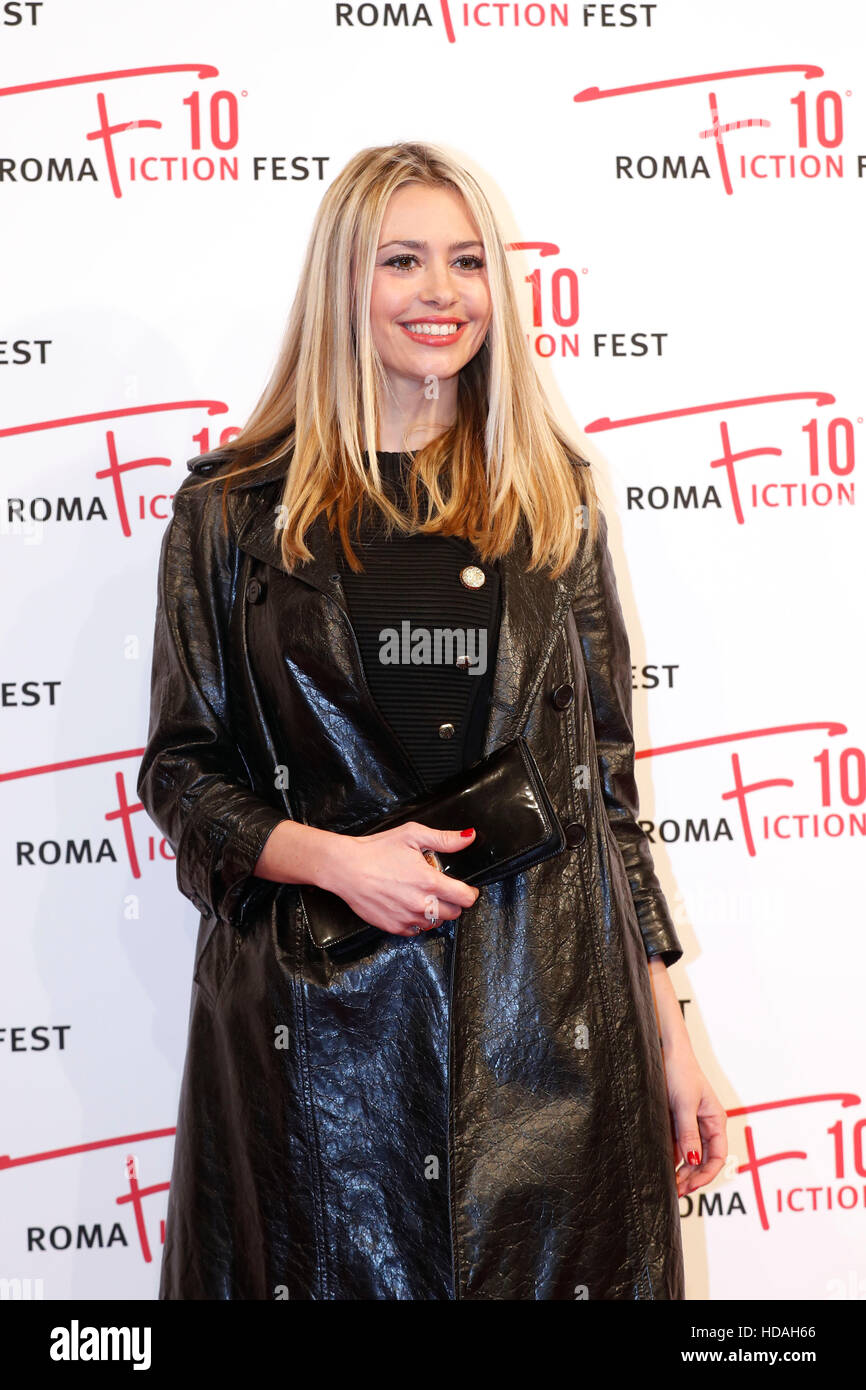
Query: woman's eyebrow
point(422, 245)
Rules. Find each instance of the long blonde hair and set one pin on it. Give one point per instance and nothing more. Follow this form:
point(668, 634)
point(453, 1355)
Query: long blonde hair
point(504, 458)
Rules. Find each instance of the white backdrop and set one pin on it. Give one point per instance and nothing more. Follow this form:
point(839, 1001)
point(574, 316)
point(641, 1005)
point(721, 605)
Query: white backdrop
point(706, 192)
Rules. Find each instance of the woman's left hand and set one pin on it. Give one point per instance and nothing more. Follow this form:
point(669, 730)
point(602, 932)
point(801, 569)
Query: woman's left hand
point(699, 1122)
point(698, 1117)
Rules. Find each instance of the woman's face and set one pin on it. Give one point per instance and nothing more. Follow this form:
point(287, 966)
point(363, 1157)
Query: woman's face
point(430, 273)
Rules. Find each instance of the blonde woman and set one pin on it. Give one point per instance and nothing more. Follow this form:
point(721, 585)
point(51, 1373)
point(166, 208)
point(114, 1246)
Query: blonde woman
point(494, 1097)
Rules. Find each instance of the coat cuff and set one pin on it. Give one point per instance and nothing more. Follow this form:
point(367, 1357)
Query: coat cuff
point(660, 937)
point(650, 904)
point(224, 833)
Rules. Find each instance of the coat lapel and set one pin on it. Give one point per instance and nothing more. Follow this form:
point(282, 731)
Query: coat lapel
point(253, 511)
point(534, 609)
point(533, 606)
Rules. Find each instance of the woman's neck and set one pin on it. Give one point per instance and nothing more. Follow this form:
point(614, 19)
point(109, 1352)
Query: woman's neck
point(410, 440)
point(408, 419)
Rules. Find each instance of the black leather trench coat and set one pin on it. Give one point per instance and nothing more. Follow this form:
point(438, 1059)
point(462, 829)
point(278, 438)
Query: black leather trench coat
point(345, 1130)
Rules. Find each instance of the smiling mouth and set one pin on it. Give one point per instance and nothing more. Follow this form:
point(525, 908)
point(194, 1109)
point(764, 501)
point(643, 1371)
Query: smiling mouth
point(421, 329)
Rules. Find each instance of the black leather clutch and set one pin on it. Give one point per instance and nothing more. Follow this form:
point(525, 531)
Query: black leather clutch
point(503, 796)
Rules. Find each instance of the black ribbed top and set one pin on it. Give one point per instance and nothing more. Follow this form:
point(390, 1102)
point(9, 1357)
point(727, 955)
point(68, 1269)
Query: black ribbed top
point(402, 606)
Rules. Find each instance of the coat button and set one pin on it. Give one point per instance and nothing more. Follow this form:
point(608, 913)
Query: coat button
point(472, 577)
point(446, 730)
point(563, 696)
point(575, 834)
point(255, 591)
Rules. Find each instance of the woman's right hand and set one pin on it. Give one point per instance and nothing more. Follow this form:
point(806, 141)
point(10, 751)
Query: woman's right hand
point(386, 880)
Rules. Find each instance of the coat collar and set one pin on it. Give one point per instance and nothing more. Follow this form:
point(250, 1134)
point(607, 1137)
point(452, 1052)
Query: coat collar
point(533, 606)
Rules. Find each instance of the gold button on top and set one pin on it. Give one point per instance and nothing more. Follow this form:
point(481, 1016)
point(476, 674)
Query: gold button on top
point(472, 577)
point(446, 730)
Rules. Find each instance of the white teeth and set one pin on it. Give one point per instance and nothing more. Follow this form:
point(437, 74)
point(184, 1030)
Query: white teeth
point(436, 330)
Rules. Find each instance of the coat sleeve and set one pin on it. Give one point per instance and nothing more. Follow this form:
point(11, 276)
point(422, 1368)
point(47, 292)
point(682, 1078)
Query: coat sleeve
point(607, 659)
point(193, 780)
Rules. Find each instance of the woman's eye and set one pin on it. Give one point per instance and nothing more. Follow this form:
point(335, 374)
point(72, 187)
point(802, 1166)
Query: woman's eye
point(477, 263)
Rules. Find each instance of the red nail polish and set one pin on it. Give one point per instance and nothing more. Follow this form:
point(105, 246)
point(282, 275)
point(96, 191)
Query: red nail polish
point(694, 1158)
point(467, 833)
